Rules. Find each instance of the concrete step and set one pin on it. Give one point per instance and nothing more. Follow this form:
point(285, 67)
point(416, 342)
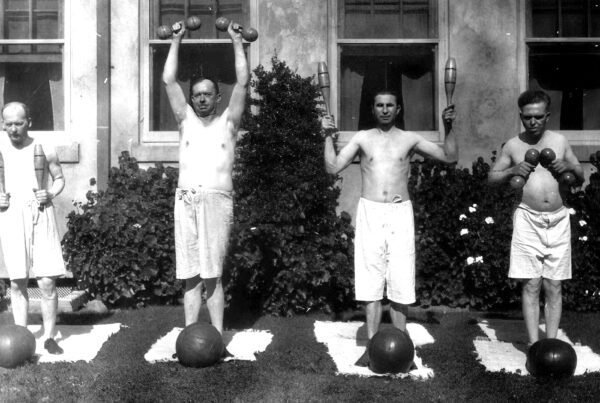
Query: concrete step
point(69, 300)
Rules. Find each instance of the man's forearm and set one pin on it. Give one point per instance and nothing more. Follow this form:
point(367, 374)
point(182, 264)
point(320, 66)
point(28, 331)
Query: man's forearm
point(330, 156)
point(450, 146)
point(57, 187)
point(499, 176)
point(170, 69)
point(241, 64)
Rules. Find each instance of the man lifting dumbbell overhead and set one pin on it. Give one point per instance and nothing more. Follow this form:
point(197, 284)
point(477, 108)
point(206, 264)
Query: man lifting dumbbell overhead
point(203, 202)
point(541, 242)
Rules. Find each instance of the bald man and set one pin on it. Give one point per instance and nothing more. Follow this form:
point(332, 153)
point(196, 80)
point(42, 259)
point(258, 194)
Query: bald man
point(28, 231)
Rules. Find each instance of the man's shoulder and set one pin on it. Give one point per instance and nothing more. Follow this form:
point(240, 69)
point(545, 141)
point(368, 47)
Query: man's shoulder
point(554, 137)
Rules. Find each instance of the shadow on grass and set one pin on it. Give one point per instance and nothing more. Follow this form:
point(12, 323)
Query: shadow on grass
point(415, 314)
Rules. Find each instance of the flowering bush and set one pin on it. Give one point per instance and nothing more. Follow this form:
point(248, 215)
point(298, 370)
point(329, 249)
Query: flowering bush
point(464, 230)
point(582, 292)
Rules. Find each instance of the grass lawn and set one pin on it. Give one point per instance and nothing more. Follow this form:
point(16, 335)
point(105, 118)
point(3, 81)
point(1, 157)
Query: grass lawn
point(295, 367)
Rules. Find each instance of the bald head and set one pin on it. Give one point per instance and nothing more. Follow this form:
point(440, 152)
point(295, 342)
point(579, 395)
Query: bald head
point(16, 106)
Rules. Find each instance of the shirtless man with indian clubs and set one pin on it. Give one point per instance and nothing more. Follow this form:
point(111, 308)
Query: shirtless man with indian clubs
point(384, 244)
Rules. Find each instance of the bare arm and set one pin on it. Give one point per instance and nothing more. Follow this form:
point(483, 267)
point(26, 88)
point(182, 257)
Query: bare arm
point(502, 170)
point(449, 152)
point(568, 163)
point(174, 91)
point(58, 181)
point(335, 163)
point(238, 96)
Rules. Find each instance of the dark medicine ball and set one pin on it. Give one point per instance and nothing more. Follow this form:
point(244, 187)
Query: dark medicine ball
point(390, 351)
point(551, 358)
point(17, 345)
point(199, 345)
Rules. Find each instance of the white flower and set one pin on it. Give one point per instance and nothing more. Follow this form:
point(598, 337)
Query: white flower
point(470, 260)
point(572, 211)
point(473, 208)
point(489, 220)
point(582, 223)
point(479, 259)
point(464, 231)
point(583, 238)
point(462, 217)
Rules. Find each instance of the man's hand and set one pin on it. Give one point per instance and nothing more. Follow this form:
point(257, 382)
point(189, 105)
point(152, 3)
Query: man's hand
point(558, 167)
point(43, 196)
point(179, 34)
point(522, 169)
point(328, 126)
point(449, 116)
point(4, 201)
point(236, 34)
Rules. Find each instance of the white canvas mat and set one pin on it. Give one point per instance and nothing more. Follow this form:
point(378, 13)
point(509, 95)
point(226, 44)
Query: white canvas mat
point(79, 342)
point(498, 350)
point(242, 344)
point(346, 342)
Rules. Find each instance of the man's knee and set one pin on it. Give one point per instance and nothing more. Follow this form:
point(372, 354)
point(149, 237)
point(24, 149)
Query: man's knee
point(552, 290)
point(532, 286)
point(47, 286)
point(398, 307)
point(192, 283)
point(212, 284)
point(18, 287)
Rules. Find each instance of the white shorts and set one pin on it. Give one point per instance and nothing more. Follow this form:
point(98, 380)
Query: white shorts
point(541, 244)
point(203, 220)
point(30, 241)
point(384, 252)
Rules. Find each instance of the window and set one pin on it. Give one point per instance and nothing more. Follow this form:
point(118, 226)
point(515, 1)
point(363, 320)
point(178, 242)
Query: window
point(393, 45)
point(205, 52)
point(31, 59)
point(563, 46)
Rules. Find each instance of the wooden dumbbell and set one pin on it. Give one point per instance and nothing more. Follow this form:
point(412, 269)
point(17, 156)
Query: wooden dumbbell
point(249, 34)
point(165, 32)
point(532, 156)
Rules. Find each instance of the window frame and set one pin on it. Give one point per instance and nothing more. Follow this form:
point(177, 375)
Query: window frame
point(575, 137)
point(170, 137)
point(66, 69)
point(442, 54)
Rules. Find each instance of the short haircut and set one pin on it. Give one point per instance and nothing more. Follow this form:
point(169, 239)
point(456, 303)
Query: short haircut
point(385, 92)
point(196, 80)
point(534, 97)
point(21, 104)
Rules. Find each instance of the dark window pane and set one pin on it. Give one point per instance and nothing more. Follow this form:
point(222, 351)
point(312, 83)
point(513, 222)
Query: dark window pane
point(39, 85)
point(595, 18)
point(544, 18)
point(408, 70)
point(211, 61)
point(574, 18)
point(569, 73)
point(388, 19)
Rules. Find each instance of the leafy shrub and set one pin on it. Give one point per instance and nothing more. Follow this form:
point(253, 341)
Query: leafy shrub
point(290, 251)
point(463, 230)
point(582, 292)
point(463, 236)
point(120, 245)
